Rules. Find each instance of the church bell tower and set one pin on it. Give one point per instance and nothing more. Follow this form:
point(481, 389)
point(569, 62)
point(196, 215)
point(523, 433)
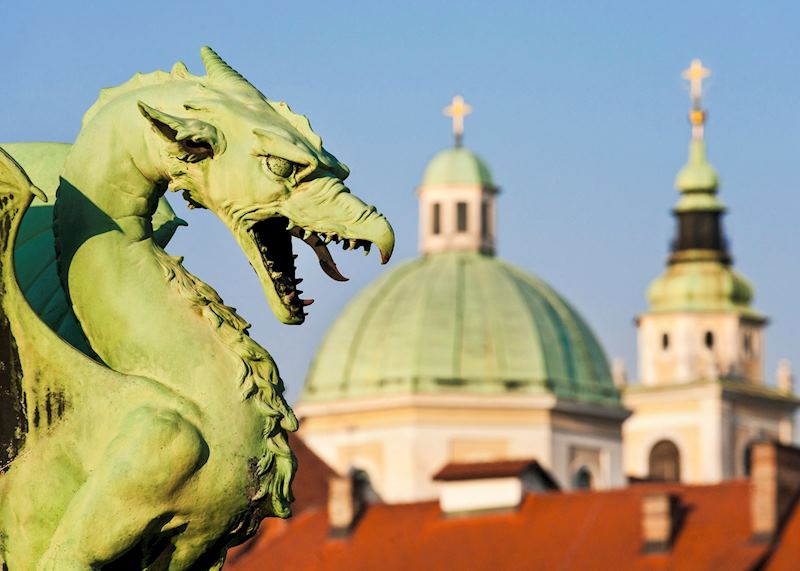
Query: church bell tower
point(701, 400)
point(700, 324)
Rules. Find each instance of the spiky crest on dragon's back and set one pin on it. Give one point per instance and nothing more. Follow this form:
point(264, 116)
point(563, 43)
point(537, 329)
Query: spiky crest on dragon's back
point(229, 78)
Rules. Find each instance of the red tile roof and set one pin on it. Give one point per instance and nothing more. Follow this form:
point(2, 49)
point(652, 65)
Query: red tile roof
point(582, 530)
point(786, 556)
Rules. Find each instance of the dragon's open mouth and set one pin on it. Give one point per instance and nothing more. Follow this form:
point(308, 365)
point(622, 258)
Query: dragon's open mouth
point(273, 238)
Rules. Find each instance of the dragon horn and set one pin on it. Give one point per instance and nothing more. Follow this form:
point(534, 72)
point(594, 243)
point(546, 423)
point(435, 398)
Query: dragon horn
point(218, 70)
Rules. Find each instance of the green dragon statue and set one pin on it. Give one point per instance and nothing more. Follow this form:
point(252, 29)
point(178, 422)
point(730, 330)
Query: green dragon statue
point(155, 438)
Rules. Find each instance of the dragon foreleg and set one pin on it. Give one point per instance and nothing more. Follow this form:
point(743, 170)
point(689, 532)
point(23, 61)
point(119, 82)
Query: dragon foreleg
point(129, 498)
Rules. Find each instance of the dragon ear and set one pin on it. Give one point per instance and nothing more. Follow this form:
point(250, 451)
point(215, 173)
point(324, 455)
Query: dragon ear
point(193, 140)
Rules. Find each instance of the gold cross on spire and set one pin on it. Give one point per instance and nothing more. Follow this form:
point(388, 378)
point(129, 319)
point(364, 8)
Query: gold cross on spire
point(695, 74)
point(458, 109)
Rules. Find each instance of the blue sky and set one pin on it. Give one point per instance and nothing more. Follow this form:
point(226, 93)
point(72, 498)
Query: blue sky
point(580, 111)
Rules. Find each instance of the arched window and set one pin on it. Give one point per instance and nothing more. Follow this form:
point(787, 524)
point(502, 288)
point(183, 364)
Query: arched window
point(709, 340)
point(582, 479)
point(665, 462)
point(665, 341)
point(461, 216)
point(437, 218)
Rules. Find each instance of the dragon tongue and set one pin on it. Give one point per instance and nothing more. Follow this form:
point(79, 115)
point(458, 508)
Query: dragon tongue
point(321, 250)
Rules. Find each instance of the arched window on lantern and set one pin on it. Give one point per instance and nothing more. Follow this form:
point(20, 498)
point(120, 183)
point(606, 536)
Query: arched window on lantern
point(436, 216)
point(461, 216)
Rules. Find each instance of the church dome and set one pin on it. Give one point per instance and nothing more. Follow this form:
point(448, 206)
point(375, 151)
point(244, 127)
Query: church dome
point(457, 166)
point(459, 322)
point(699, 282)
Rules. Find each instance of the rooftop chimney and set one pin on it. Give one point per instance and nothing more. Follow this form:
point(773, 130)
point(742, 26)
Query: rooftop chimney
point(660, 518)
point(467, 488)
point(347, 497)
point(774, 485)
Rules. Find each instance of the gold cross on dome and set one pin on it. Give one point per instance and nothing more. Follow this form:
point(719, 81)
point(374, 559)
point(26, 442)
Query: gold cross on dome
point(695, 75)
point(458, 109)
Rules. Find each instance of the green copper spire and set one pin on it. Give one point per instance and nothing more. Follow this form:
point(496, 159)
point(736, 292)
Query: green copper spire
point(699, 276)
point(698, 210)
point(697, 180)
point(697, 175)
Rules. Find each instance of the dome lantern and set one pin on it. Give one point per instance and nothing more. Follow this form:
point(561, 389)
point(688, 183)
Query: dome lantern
point(456, 197)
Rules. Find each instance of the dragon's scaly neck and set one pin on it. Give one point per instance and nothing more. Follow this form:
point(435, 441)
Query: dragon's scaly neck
point(136, 321)
point(144, 314)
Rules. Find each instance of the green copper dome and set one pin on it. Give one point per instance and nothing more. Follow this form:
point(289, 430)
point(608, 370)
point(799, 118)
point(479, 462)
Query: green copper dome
point(700, 282)
point(457, 166)
point(459, 322)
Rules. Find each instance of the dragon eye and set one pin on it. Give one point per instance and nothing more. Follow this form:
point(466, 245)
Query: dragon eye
point(279, 166)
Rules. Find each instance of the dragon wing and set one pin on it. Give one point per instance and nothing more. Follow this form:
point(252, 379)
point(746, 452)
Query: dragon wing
point(41, 376)
point(34, 252)
point(16, 191)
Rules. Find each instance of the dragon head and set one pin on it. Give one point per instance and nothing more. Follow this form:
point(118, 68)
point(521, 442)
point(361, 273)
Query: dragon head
point(264, 172)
